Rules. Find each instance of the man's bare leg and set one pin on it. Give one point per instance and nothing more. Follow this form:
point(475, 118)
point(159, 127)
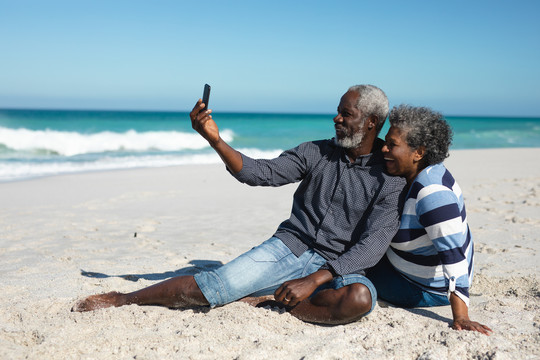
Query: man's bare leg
point(332, 307)
point(178, 292)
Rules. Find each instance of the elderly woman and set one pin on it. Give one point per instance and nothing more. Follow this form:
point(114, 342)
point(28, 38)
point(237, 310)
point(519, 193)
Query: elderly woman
point(430, 260)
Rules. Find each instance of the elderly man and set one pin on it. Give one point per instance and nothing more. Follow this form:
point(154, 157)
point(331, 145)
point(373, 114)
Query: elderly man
point(345, 213)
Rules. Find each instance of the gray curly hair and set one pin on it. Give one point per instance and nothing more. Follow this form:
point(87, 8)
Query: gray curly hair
point(426, 128)
point(372, 101)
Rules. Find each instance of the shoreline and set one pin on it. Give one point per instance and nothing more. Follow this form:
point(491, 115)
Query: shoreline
point(498, 151)
point(72, 235)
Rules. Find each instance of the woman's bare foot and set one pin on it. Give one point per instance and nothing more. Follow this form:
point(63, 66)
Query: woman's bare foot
point(100, 301)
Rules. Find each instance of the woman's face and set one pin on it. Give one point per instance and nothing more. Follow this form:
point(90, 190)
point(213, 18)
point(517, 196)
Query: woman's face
point(400, 159)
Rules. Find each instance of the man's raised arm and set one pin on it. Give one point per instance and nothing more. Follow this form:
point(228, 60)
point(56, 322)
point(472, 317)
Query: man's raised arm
point(202, 122)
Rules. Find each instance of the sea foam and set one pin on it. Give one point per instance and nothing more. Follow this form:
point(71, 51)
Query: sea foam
point(17, 170)
point(67, 143)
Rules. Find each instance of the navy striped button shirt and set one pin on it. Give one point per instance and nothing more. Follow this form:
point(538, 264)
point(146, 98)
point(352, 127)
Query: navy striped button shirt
point(347, 212)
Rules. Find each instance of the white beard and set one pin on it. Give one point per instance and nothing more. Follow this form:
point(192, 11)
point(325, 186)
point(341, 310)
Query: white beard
point(350, 142)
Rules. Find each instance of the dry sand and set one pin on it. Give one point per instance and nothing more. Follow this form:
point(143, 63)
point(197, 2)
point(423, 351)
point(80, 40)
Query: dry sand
point(66, 237)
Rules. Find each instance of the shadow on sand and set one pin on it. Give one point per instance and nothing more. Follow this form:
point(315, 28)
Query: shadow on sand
point(431, 315)
point(197, 266)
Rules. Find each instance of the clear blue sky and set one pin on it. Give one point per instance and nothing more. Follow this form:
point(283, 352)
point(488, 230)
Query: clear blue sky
point(458, 57)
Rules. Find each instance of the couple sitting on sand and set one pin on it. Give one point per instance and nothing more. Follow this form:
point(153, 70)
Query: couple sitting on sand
point(369, 218)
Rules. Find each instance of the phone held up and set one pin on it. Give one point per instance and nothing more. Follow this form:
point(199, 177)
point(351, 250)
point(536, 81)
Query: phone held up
point(206, 96)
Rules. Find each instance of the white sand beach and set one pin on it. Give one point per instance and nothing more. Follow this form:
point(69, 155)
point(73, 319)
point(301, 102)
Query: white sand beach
point(67, 237)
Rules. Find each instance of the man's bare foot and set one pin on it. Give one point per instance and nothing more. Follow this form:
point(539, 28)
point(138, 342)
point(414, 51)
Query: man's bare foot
point(100, 301)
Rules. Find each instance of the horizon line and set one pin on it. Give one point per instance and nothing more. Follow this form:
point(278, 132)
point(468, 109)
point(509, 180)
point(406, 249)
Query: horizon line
point(233, 112)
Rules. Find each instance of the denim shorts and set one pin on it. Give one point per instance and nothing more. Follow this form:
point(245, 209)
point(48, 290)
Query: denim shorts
point(397, 290)
point(263, 269)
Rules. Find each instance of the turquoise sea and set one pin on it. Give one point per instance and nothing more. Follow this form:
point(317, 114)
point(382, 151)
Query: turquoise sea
point(37, 143)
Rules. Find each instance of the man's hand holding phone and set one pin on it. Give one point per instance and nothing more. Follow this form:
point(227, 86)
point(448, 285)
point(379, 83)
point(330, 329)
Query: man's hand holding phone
point(202, 122)
point(201, 119)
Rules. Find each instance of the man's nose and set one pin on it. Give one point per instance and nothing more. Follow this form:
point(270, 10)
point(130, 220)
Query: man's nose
point(384, 149)
point(338, 118)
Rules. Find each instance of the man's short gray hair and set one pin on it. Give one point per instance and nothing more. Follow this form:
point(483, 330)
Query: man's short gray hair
point(426, 128)
point(372, 101)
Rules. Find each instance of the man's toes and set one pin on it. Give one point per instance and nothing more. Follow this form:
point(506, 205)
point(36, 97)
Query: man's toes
point(95, 302)
point(80, 306)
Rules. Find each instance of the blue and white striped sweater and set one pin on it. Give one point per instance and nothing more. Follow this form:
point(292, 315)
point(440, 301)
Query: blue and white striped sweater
point(433, 247)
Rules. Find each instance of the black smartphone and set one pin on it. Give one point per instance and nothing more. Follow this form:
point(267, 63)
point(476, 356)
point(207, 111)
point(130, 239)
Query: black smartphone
point(206, 96)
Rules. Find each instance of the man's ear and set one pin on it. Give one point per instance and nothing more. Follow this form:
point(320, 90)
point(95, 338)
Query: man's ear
point(419, 153)
point(372, 120)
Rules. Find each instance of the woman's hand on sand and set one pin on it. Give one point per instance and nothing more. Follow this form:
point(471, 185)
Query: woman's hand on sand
point(466, 324)
point(202, 122)
point(460, 313)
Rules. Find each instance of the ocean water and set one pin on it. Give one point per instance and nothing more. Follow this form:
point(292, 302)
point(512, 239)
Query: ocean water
point(37, 143)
